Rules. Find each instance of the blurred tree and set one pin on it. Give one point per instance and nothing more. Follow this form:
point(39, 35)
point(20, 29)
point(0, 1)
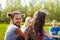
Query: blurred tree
point(0, 13)
point(52, 6)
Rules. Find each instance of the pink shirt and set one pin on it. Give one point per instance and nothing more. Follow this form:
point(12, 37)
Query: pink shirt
point(38, 35)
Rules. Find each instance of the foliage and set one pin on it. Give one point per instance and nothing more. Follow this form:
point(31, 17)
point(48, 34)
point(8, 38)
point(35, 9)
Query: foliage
point(53, 7)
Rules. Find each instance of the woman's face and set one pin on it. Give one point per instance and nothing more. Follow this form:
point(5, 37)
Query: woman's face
point(17, 19)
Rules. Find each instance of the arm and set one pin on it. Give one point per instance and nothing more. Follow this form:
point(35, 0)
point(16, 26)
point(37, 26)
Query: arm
point(18, 31)
point(45, 32)
point(54, 35)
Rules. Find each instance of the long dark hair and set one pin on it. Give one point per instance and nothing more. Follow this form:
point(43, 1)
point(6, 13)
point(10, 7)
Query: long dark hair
point(39, 23)
point(37, 26)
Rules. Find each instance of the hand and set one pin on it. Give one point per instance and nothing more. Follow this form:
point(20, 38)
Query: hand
point(50, 36)
point(58, 36)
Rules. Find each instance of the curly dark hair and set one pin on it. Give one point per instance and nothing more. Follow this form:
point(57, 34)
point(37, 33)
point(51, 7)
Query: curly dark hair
point(36, 26)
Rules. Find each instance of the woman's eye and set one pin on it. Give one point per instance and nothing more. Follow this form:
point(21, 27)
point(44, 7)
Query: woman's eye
point(28, 20)
point(20, 18)
point(16, 18)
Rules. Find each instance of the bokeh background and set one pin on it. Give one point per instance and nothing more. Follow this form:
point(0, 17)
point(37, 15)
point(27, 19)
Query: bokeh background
point(28, 7)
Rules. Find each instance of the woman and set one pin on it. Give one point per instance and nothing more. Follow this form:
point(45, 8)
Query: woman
point(35, 30)
point(13, 30)
point(25, 26)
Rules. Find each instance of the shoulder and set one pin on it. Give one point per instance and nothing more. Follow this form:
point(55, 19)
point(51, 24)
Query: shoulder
point(58, 26)
point(51, 27)
point(23, 27)
point(12, 27)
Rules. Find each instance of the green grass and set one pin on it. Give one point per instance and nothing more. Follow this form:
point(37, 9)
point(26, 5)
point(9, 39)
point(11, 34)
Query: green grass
point(47, 28)
point(50, 23)
point(2, 31)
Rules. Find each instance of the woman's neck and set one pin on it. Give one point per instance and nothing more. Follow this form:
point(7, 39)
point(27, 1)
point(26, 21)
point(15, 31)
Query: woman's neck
point(17, 25)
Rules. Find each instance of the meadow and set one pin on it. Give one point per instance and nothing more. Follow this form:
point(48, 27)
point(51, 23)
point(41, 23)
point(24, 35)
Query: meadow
point(2, 31)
